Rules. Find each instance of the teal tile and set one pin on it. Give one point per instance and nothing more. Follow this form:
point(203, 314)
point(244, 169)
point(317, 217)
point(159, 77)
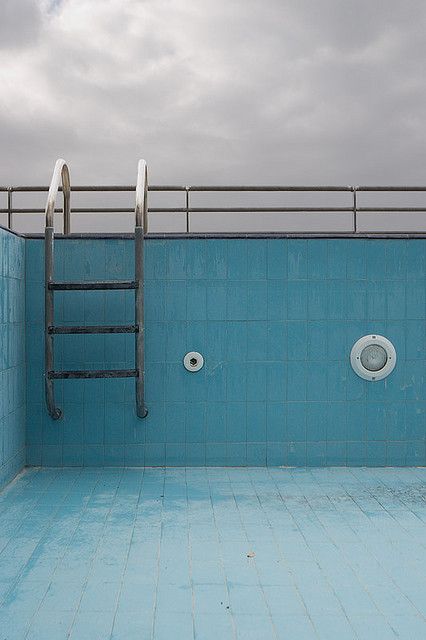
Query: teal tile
point(277, 259)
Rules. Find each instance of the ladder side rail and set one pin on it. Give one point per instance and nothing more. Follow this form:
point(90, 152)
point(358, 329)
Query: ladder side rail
point(141, 223)
point(60, 175)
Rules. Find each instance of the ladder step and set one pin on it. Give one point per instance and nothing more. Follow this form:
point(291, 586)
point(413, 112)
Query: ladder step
point(93, 286)
point(103, 373)
point(131, 328)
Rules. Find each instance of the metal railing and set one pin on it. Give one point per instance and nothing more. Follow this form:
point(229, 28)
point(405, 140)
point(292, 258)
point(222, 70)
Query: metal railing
point(352, 207)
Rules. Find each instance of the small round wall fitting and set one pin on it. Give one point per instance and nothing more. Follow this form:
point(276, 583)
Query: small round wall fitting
point(193, 361)
point(373, 357)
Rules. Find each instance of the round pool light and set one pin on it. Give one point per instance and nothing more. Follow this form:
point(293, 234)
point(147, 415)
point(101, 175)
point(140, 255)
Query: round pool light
point(373, 357)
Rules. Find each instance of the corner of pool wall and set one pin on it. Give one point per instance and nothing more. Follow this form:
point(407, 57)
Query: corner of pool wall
point(12, 356)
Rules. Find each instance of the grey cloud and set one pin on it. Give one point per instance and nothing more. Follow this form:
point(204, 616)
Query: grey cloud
point(20, 23)
point(290, 91)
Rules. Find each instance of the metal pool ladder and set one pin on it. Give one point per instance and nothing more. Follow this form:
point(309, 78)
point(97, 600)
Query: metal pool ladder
point(61, 175)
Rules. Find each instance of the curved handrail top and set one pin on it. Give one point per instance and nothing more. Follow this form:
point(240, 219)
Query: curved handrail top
point(60, 174)
point(142, 196)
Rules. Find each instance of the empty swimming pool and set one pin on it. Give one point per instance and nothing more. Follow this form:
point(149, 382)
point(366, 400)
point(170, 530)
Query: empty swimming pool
point(211, 434)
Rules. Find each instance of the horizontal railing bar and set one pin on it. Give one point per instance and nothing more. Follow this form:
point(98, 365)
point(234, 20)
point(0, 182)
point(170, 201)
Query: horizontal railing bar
point(254, 188)
point(390, 188)
point(230, 210)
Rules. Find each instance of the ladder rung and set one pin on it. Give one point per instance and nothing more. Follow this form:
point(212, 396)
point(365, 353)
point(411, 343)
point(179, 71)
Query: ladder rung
point(93, 286)
point(103, 373)
point(131, 328)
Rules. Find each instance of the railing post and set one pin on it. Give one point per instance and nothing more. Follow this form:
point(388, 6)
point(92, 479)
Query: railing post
point(187, 208)
point(9, 207)
point(355, 221)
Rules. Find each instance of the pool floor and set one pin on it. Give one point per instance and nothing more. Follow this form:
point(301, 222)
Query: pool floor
point(213, 553)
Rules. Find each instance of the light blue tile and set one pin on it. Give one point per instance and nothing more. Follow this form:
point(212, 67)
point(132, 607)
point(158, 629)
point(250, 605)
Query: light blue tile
point(296, 422)
point(236, 422)
point(416, 299)
point(276, 421)
point(297, 259)
point(216, 422)
point(297, 382)
point(277, 259)
point(276, 381)
point(236, 341)
point(318, 293)
point(196, 293)
point(416, 259)
point(216, 300)
point(215, 454)
point(176, 259)
point(336, 454)
point(256, 421)
point(260, 335)
point(375, 259)
point(237, 259)
point(217, 259)
point(337, 259)
point(297, 297)
point(236, 300)
point(257, 259)
point(297, 454)
point(155, 454)
point(195, 454)
point(276, 454)
point(376, 300)
point(175, 300)
point(376, 454)
point(316, 421)
point(196, 264)
point(336, 301)
point(317, 382)
point(318, 259)
point(175, 454)
point(236, 454)
point(395, 299)
point(277, 340)
point(257, 300)
point(195, 422)
point(277, 300)
point(396, 454)
point(396, 260)
point(356, 454)
point(297, 341)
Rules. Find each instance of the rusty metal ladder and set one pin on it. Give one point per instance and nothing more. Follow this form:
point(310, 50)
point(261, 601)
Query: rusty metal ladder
point(61, 175)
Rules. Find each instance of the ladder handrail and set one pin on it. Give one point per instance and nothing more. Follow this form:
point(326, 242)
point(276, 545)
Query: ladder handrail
point(141, 227)
point(60, 175)
point(141, 207)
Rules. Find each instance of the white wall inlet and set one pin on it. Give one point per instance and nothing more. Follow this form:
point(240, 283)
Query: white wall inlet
point(373, 357)
point(193, 361)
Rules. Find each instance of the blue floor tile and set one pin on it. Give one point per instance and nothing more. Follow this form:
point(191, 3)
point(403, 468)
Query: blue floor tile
point(254, 553)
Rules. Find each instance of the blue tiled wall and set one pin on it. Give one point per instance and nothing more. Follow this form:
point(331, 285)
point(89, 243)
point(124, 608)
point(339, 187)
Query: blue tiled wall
point(275, 320)
point(12, 356)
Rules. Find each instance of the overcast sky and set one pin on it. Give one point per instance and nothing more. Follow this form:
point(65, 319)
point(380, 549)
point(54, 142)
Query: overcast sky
point(211, 91)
